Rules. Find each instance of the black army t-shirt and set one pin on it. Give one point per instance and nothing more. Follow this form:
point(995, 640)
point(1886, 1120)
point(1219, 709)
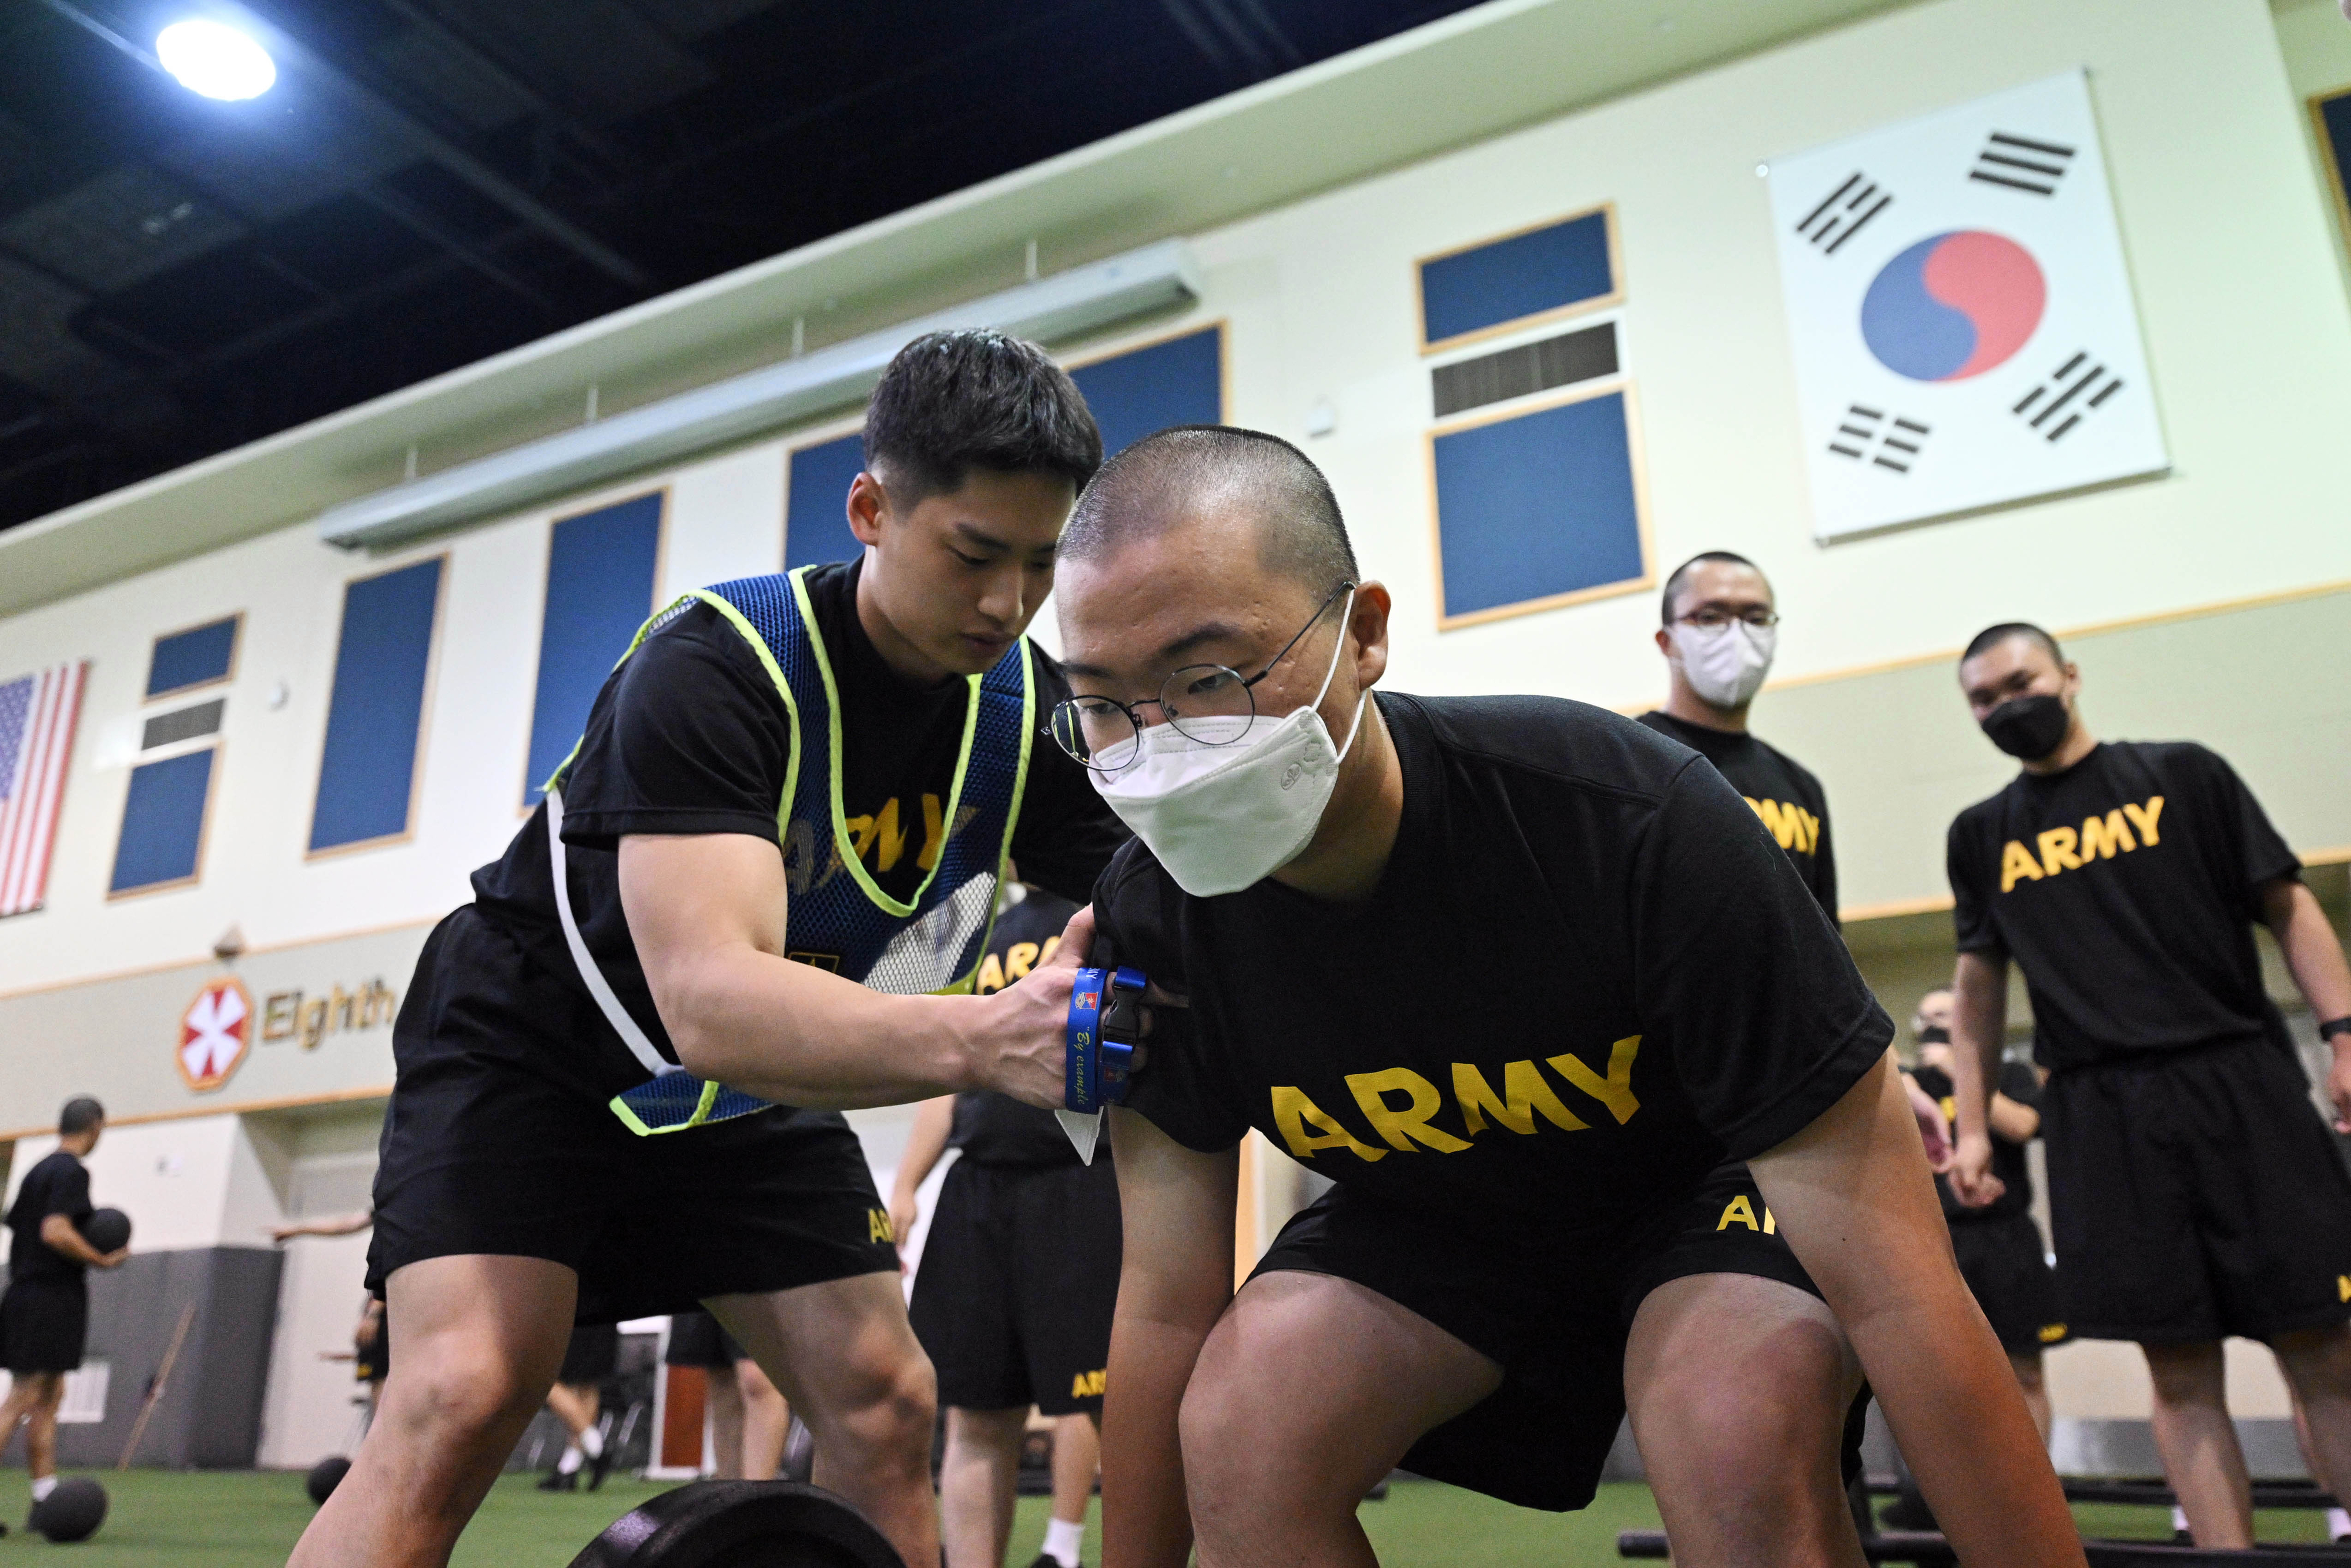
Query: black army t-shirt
point(2127, 888)
point(1587, 976)
point(60, 1184)
point(689, 736)
point(2020, 1084)
point(995, 1129)
point(1781, 790)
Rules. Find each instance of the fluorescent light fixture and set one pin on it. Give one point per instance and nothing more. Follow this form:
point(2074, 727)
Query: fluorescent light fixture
point(1064, 306)
point(215, 60)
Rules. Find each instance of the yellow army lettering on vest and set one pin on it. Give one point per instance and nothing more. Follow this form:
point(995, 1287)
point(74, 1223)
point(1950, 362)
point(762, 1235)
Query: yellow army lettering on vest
point(1525, 1094)
point(2101, 837)
point(1407, 1125)
point(1293, 1112)
point(1086, 1384)
point(1795, 828)
point(878, 834)
point(1741, 1212)
point(877, 1226)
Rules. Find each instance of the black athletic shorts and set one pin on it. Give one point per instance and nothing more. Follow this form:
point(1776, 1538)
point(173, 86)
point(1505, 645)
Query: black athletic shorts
point(371, 1362)
point(2196, 1194)
point(1555, 1317)
point(589, 1358)
point(697, 1340)
point(44, 1324)
point(1018, 1282)
point(2003, 1262)
point(484, 1152)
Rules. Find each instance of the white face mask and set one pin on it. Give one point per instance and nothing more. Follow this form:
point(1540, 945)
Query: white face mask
point(1223, 818)
point(1724, 665)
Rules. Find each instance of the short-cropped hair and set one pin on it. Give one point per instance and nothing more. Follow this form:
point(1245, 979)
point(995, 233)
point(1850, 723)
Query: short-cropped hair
point(1165, 476)
point(953, 401)
point(81, 1114)
point(1681, 572)
point(1992, 637)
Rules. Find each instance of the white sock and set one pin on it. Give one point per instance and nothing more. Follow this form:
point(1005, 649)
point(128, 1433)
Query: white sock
point(43, 1486)
point(2338, 1524)
point(570, 1461)
point(2178, 1518)
point(1062, 1537)
point(591, 1442)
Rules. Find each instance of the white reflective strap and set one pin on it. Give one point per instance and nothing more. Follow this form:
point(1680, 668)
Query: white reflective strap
point(594, 977)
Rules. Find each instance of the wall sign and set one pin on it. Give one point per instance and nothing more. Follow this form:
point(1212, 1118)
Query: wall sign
point(1964, 331)
point(216, 1031)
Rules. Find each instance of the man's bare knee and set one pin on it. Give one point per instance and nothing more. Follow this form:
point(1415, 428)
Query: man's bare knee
point(887, 1421)
point(457, 1396)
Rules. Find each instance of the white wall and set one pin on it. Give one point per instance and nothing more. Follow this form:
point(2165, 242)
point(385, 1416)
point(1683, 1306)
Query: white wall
point(203, 1181)
point(309, 1412)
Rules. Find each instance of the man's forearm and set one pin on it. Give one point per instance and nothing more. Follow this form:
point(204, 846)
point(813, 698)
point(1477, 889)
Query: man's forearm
point(1146, 1512)
point(1979, 1024)
point(1854, 1200)
point(2312, 955)
point(797, 1035)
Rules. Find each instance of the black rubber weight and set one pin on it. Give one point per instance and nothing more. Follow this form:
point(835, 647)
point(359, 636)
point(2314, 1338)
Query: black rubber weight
point(73, 1511)
point(1908, 1546)
point(741, 1524)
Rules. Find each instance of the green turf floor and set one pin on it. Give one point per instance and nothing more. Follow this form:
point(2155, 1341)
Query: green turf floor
point(232, 1520)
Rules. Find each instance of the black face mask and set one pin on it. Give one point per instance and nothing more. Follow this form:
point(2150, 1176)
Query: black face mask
point(1934, 1034)
point(2028, 727)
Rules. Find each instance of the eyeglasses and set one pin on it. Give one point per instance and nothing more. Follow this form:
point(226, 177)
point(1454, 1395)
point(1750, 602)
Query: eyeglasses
point(1211, 703)
point(1713, 618)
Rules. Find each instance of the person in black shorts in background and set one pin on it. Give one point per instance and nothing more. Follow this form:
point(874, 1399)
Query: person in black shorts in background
point(1523, 977)
point(578, 1401)
point(749, 1419)
point(2000, 1251)
point(45, 1315)
point(2194, 1192)
point(1019, 1277)
point(745, 904)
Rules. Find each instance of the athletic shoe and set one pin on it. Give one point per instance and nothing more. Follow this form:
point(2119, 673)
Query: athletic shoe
point(560, 1481)
point(1046, 1560)
point(600, 1467)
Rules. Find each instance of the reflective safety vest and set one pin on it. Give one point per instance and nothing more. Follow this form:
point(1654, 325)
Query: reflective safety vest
point(836, 917)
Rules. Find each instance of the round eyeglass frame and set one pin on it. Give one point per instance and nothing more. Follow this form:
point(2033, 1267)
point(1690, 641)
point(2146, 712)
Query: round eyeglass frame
point(1068, 715)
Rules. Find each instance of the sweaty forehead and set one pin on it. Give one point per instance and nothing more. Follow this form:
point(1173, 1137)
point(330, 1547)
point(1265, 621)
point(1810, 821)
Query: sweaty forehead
point(1197, 589)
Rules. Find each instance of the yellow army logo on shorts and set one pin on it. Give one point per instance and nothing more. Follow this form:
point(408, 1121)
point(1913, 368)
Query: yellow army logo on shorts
point(2063, 849)
point(2343, 1286)
point(2052, 1333)
point(1741, 1212)
point(1525, 1095)
point(877, 1226)
point(1086, 1384)
point(1795, 828)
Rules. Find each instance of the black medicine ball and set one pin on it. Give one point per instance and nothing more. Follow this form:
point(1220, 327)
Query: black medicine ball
point(108, 1229)
point(325, 1476)
point(73, 1511)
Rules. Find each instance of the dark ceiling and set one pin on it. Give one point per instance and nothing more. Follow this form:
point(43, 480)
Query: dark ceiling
point(434, 181)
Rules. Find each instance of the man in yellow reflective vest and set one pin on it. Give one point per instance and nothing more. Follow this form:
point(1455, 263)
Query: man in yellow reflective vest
point(621, 1067)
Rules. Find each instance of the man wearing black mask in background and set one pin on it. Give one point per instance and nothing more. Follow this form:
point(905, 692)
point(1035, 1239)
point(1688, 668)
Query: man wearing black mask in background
point(1720, 630)
point(2193, 1189)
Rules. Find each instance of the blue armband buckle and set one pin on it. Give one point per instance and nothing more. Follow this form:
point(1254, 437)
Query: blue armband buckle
point(1105, 1023)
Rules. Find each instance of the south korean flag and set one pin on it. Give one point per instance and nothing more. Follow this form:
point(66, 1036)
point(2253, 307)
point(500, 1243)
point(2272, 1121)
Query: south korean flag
point(1965, 336)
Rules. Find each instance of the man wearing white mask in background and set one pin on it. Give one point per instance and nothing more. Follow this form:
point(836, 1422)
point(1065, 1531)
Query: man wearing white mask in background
point(1720, 630)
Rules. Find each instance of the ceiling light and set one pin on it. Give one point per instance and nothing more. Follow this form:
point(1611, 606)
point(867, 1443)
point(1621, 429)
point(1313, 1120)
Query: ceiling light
point(215, 60)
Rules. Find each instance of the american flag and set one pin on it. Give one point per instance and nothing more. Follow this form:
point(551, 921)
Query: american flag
point(36, 732)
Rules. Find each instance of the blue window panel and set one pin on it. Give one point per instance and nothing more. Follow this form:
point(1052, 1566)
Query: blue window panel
point(1179, 381)
point(1535, 506)
point(1551, 268)
point(162, 822)
point(816, 503)
point(600, 590)
point(2334, 130)
point(193, 657)
point(376, 715)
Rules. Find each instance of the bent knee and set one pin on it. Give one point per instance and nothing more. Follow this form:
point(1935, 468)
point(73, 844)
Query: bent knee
point(889, 1413)
point(453, 1395)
